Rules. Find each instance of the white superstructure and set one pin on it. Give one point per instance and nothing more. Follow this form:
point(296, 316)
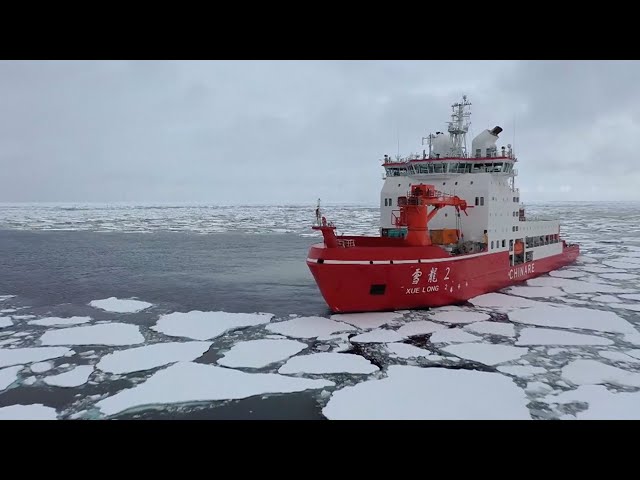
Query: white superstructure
point(484, 177)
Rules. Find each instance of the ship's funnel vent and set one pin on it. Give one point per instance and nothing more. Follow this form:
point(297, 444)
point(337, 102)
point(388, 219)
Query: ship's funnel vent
point(496, 130)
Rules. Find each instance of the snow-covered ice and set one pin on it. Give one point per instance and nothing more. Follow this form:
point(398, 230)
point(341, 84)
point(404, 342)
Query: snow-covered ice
point(486, 353)
point(117, 305)
point(502, 301)
point(575, 286)
point(41, 367)
point(309, 327)
point(626, 306)
point(53, 321)
point(618, 356)
point(453, 335)
point(566, 274)
point(151, 356)
point(631, 296)
point(5, 322)
point(413, 393)
point(404, 350)
point(207, 325)
point(459, 317)
point(605, 299)
point(27, 412)
point(16, 356)
point(187, 382)
point(324, 363)
point(521, 370)
point(572, 317)
point(8, 376)
point(5, 297)
point(377, 336)
point(419, 327)
point(619, 276)
point(537, 387)
point(547, 336)
point(535, 292)
point(492, 328)
point(592, 372)
point(367, 320)
point(602, 403)
point(103, 334)
point(73, 378)
point(260, 353)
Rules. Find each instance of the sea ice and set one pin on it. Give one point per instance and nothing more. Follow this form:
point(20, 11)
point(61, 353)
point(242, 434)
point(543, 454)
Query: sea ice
point(324, 363)
point(187, 382)
point(103, 334)
point(207, 325)
point(414, 393)
point(260, 353)
point(148, 357)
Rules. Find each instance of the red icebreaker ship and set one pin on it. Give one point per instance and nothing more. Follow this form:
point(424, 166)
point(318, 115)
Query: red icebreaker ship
point(451, 228)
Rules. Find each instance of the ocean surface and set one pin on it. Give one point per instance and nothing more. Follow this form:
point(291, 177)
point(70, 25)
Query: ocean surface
point(210, 312)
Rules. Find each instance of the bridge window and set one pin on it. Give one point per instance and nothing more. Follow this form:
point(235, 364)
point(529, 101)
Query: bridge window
point(503, 243)
point(491, 244)
point(481, 201)
point(477, 201)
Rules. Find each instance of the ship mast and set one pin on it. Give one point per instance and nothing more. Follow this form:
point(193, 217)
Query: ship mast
point(458, 128)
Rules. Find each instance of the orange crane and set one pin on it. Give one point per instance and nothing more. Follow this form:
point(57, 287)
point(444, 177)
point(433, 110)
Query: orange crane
point(414, 212)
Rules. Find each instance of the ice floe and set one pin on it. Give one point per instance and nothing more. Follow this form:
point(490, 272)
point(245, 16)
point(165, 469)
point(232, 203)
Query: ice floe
point(260, 353)
point(602, 404)
point(631, 296)
point(626, 306)
point(419, 327)
point(618, 357)
point(486, 353)
point(575, 286)
point(572, 317)
point(117, 305)
point(453, 335)
point(367, 320)
point(187, 382)
point(53, 321)
point(309, 327)
point(538, 388)
point(404, 350)
point(103, 334)
point(325, 363)
point(634, 353)
point(619, 276)
point(521, 370)
point(413, 393)
point(605, 299)
point(5, 322)
point(22, 317)
point(566, 273)
point(547, 336)
point(8, 376)
point(73, 378)
point(207, 325)
point(5, 297)
point(492, 328)
point(592, 372)
point(151, 356)
point(27, 412)
point(41, 367)
point(620, 264)
point(377, 336)
point(500, 300)
point(16, 356)
point(535, 292)
point(459, 317)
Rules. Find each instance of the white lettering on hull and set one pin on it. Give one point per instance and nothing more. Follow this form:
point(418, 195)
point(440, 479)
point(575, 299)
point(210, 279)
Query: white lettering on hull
point(522, 271)
point(429, 289)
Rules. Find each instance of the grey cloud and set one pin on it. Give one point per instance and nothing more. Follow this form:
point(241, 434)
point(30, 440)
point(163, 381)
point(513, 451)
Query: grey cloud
point(291, 131)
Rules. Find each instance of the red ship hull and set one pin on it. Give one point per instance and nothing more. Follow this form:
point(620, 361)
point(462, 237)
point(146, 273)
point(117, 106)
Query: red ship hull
point(389, 278)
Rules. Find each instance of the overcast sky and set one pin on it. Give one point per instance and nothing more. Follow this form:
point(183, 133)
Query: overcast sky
point(292, 131)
